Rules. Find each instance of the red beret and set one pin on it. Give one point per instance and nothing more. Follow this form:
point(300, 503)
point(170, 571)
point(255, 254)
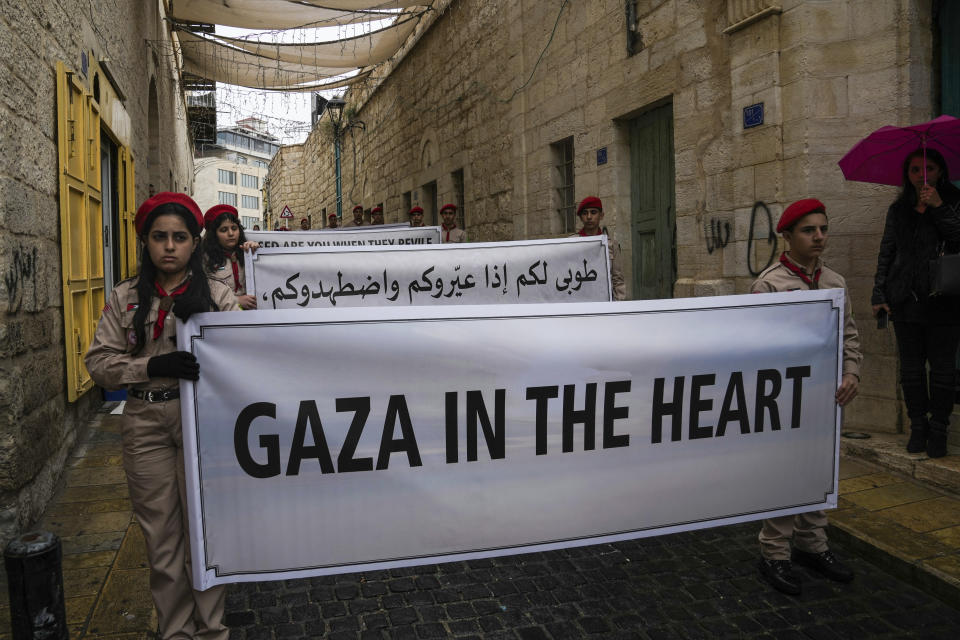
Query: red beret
point(332, 216)
point(416, 210)
point(162, 198)
point(448, 207)
point(376, 210)
point(797, 210)
point(216, 211)
point(590, 202)
point(359, 207)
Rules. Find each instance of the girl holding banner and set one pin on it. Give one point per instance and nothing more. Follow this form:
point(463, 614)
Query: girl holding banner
point(135, 347)
point(223, 245)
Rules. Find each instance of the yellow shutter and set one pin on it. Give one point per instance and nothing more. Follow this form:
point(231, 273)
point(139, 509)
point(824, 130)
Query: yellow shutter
point(127, 201)
point(81, 229)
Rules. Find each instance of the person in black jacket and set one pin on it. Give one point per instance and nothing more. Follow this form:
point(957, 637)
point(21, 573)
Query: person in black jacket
point(923, 221)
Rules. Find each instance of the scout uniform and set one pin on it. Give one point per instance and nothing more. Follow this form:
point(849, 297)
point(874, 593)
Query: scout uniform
point(807, 530)
point(416, 211)
point(153, 450)
point(451, 233)
point(332, 221)
point(354, 223)
point(616, 273)
point(376, 215)
point(230, 273)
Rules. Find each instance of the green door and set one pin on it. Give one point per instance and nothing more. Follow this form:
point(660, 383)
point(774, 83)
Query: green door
point(651, 197)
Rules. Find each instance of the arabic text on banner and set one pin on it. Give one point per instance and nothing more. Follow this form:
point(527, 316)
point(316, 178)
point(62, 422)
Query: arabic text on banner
point(559, 270)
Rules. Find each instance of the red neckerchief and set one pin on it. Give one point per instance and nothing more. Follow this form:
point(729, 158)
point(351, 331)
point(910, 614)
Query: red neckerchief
point(162, 314)
point(583, 232)
point(234, 264)
point(444, 227)
point(813, 284)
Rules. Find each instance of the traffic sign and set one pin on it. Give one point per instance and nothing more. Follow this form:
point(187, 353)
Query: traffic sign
point(286, 213)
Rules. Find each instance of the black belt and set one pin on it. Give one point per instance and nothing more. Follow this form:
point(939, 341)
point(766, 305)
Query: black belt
point(155, 396)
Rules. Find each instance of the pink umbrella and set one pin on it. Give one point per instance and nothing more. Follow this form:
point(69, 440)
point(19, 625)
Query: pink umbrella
point(879, 157)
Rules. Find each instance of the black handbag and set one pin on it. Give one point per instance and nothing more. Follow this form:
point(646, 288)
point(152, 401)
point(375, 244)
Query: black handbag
point(945, 274)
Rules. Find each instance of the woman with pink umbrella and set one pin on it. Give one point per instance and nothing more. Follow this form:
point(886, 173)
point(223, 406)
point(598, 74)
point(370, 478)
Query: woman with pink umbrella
point(923, 221)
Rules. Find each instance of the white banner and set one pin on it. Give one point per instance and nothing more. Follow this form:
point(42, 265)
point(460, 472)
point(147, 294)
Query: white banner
point(376, 236)
point(378, 438)
point(558, 270)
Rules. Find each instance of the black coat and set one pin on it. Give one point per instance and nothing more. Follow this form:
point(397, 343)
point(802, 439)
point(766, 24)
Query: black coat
point(910, 241)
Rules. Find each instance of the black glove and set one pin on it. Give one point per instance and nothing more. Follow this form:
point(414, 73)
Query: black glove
point(178, 364)
point(183, 308)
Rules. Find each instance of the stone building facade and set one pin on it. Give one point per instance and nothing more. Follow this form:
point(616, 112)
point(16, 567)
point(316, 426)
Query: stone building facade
point(91, 119)
point(526, 107)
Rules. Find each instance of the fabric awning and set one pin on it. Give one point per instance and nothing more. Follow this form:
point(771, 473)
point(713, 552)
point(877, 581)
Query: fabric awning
point(360, 51)
point(287, 14)
point(234, 66)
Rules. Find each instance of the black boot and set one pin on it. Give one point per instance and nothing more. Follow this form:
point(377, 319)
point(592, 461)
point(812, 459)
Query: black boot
point(918, 437)
point(937, 440)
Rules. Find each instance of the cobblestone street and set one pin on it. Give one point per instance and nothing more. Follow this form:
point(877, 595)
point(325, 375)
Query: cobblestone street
point(694, 585)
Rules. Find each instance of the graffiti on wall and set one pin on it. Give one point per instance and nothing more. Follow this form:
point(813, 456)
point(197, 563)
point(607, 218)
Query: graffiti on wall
point(21, 274)
point(770, 240)
point(717, 234)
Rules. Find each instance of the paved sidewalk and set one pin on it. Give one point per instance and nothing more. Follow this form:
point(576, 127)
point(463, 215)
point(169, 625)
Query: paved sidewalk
point(699, 584)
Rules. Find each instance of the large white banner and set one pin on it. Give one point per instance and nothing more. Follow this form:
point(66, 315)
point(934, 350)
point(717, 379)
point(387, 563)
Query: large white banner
point(375, 236)
point(377, 438)
point(557, 270)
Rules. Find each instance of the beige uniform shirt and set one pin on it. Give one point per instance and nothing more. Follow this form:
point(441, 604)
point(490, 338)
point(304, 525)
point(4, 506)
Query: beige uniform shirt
point(109, 360)
point(351, 223)
point(780, 278)
point(452, 235)
point(224, 275)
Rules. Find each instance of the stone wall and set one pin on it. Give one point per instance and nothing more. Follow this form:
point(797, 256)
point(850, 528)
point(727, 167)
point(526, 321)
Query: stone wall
point(37, 424)
point(488, 87)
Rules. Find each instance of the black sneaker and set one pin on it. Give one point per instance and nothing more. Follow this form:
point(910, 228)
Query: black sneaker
point(780, 575)
point(824, 563)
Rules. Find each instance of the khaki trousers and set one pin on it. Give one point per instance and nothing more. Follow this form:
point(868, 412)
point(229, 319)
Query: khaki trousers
point(153, 461)
point(808, 531)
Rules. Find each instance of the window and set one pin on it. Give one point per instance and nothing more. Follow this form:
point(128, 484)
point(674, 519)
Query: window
point(260, 163)
point(249, 221)
point(407, 202)
point(248, 202)
point(226, 177)
point(563, 182)
point(241, 159)
point(227, 198)
point(248, 181)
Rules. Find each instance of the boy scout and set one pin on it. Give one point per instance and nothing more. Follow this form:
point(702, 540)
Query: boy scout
point(590, 212)
point(804, 228)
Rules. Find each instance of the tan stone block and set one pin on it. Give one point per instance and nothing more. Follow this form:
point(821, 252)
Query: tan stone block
point(927, 515)
point(94, 493)
point(683, 288)
point(876, 414)
point(688, 232)
point(853, 468)
point(696, 66)
point(659, 24)
point(867, 482)
point(891, 538)
point(719, 196)
point(743, 187)
point(690, 195)
point(893, 495)
point(719, 287)
point(756, 146)
point(717, 155)
point(941, 472)
point(691, 36)
point(735, 260)
point(133, 549)
point(661, 53)
point(711, 92)
point(949, 536)
point(87, 560)
point(768, 184)
point(92, 542)
point(873, 92)
point(947, 565)
point(125, 605)
point(83, 582)
point(755, 40)
point(77, 609)
point(755, 75)
point(687, 262)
